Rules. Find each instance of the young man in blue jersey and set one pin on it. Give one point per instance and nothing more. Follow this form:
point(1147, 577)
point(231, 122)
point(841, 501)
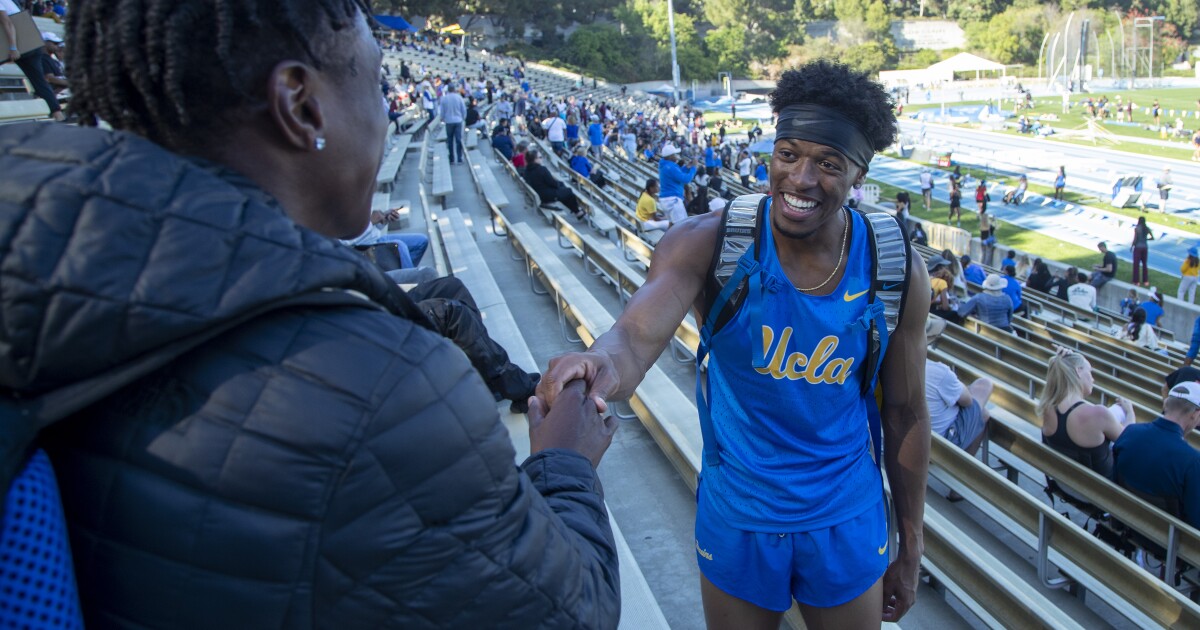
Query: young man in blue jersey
point(792, 506)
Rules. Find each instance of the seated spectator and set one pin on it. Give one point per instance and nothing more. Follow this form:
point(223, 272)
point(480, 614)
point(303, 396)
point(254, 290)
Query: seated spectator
point(518, 158)
point(580, 163)
point(1141, 333)
point(1081, 294)
point(1024, 268)
point(1040, 279)
point(1154, 459)
point(306, 447)
point(502, 140)
point(972, 272)
point(1063, 281)
point(1153, 306)
point(1106, 270)
point(647, 208)
point(1070, 425)
point(1012, 288)
point(918, 235)
point(598, 178)
point(548, 188)
point(991, 307)
point(1010, 260)
point(412, 246)
point(957, 412)
point(942, 301)
point(1129, 303)
point(56, 74)
point(1016, 195)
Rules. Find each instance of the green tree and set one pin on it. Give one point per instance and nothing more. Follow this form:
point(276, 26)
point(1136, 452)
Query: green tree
point(727, 45)
point(866, 57)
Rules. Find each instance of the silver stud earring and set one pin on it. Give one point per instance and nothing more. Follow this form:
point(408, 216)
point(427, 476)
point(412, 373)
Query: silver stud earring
point(320, 143)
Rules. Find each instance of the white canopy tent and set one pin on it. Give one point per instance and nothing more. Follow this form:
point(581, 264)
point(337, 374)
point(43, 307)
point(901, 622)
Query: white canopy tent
point(942, 72)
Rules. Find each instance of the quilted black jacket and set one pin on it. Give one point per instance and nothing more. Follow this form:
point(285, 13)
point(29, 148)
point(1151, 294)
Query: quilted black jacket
point(329, 464)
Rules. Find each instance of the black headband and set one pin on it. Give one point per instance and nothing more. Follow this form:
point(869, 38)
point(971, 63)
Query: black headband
point(827, 126)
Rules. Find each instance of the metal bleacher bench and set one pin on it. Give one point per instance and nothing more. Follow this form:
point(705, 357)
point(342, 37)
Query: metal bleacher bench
point(23, 110)
point(390, 166)
point(639, 610)
point(979, 580)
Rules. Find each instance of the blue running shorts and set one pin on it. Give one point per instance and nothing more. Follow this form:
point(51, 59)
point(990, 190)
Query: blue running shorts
point(823, 568)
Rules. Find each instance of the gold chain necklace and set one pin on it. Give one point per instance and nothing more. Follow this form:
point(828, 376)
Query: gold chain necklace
point(842, 253)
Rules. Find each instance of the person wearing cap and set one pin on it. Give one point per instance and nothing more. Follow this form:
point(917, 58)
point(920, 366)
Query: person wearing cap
point(31, 63)
point(957, 411)
point(1154, 459)
point(56, 74)
point(992, 306)
point(672, 177)
point(759, 515)
point(1188, 272)
point(1153, 305)
point(1072, 426)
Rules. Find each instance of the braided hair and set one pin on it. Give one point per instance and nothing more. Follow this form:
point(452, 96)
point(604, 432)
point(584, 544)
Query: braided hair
point(177, 71)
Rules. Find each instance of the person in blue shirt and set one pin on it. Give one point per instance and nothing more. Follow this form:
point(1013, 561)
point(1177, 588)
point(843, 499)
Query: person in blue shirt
point(711, 161)
point(572, 130)
point(1153, 306)
point(760, 175)
point(991, 307)
point(580, 164)
point(672, 177)
point(791, 497)
point(1012, 289)
point(972, 272)
point(1154, 458)
point(1010, 260)
point(596, 136)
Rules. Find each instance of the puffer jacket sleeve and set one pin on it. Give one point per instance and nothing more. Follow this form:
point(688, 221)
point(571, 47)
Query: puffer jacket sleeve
point(433, 525)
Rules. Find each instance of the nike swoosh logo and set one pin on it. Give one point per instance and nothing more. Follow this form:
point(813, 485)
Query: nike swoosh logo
point(850, 297)
point(889, 287)
point(883, 549)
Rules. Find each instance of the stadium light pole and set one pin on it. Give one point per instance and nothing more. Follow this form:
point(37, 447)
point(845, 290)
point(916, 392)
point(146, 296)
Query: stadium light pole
point(674, 61)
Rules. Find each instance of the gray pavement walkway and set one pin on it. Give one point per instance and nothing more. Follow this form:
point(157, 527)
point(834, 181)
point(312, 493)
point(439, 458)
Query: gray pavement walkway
point(1073, 223)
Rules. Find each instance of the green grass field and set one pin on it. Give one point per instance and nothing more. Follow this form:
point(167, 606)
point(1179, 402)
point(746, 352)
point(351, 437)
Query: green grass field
point(1031, 241)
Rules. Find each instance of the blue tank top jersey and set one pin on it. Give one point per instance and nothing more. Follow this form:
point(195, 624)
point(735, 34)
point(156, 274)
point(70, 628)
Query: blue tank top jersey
point(795, 448)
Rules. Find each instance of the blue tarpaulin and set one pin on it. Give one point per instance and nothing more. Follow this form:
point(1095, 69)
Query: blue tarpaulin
point(394, 22)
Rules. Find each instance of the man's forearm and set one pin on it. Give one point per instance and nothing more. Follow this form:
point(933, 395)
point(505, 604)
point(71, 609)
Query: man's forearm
point(631, 368)
point(906, 459)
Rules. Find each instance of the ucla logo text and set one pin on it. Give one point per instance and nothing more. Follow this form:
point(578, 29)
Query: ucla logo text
point(816, 368)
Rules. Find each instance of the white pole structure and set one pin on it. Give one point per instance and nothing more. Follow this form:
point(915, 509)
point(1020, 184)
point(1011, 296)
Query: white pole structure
point(1066, 48)
point(1040, 51)
point(674, 60)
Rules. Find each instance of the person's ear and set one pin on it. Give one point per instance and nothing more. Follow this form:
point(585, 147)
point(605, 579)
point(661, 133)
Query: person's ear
point(294, 106)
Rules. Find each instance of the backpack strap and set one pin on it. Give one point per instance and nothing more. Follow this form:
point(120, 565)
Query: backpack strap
point(735, 262)
point(890, 254)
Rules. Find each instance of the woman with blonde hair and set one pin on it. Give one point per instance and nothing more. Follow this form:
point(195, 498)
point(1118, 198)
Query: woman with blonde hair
point(1072, 426)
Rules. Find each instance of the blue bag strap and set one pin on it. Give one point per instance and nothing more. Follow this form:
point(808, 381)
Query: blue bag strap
point(747, 268)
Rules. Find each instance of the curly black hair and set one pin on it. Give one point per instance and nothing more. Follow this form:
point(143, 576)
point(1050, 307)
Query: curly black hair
point(178, 71)
point(850, 92)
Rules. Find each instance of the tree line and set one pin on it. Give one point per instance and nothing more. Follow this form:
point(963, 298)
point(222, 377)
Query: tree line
point(629, 40)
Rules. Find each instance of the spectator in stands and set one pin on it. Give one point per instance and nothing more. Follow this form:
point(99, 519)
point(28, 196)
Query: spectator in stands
point(596, 136)
point(744, 165)
point(672, 177)
point(972, 272)
point(428, 99)
point(1153, 305)
point(52, 67)
point(411, 246)
point(32, 63)
point(755, 514)
point(518, 158)
point(1140, 248)
point(1063, 281)
point(1070, 425)
point(1040, 279)
point(580, 163)
point(1023, 268)
point(942, 301)
point(548, 188)
point(957, 411)
point(1106, 270)
point(992, 306)
point(761, 179)
point(918, 235)
point(572, 130)
point(502, 140)
point(1012, 288)
point(647, 208)
point(1188, 272)
point(1141, 333)
point(1082, 294)
point(330, 459)
point(1009, 260)
point(473, 120)
point(1129, 303)
point(1155, 460)
point(556, 133)
point(453, 111)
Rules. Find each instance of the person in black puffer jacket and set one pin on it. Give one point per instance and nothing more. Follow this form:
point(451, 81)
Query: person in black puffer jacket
point(546, 186)
point(252, 427)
